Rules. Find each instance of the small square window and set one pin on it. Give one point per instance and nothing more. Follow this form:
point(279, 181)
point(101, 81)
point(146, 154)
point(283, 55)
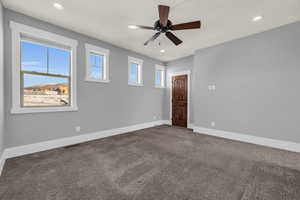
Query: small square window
point(159, 76)
point(135, 71)
point(97, 64)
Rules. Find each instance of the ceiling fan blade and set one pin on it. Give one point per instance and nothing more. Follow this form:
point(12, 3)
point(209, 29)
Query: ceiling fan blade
point(163, 14)
point(152, 38)
point(144, 27)
point(173, 38)
point(189, 25)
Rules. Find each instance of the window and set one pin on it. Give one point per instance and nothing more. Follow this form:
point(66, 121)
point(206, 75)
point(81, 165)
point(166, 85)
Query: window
point(97, 66)
point(45, 75)
point(44, 71)
point(159, 76)
point(135, 67)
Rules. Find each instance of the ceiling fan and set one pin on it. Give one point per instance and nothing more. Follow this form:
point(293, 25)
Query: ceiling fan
point(164, 25)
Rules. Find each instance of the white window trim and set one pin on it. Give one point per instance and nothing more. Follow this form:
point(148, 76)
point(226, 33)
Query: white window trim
point(20, 29)
point(140, 70)
point(161, 68)
point(100, 51)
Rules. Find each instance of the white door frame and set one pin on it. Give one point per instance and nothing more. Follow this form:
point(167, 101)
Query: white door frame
point(170, 75)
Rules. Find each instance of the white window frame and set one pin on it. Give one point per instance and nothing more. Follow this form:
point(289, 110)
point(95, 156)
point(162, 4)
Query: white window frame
point(18, 30)
point(98, 51)
point(160, 68)
point(140, 70)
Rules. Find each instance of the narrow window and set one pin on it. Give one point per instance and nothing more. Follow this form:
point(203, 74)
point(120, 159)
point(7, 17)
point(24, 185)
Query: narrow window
point(135, 71)
point(159, 76)
point(97, 68)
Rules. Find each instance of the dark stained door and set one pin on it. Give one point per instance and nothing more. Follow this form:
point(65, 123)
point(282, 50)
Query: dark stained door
point(179, 100)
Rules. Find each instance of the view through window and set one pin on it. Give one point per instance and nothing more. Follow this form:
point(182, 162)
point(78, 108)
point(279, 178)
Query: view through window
point(45, 75)
point(96, 66)
point(134, 73)
point(159, 76)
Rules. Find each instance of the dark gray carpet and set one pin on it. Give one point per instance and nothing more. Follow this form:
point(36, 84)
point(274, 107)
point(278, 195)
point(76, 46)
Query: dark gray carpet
point(160, 163)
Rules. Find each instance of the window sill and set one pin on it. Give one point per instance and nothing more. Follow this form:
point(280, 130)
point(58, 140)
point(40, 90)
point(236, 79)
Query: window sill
point(43, 110)
point(136, 84)
point(96, 80)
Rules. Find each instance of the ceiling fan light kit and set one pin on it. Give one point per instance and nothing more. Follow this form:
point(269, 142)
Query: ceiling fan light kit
point(165, 26)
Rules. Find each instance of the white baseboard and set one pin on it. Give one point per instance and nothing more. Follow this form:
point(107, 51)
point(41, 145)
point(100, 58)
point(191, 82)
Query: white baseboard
point(52, 144)
point(167, 122)
point(191, 126)
point(278, 144)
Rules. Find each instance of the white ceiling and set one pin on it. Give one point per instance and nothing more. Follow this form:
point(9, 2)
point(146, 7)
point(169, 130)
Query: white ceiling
point(107, 20)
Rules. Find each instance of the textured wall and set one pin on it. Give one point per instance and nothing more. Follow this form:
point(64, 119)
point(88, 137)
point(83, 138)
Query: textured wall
point(101, 106)
point(257, 85)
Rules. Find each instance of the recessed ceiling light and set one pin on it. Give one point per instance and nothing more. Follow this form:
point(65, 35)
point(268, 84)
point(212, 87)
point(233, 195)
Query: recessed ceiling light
point(162, 51)
point(133, 27)
point(58, 6)
point(257, 18)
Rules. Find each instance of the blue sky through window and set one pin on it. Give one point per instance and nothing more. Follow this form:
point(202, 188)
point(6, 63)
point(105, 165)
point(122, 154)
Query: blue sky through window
point(32, 80)
point(44, 59)
point(96, 66)
point(133, 77)
point(158, 78)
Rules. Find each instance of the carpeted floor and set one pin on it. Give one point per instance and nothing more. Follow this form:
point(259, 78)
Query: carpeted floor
point(160, 163)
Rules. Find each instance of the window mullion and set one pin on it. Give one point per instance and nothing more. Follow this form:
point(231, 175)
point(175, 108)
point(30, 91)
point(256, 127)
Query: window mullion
point(45, 74)
point(47, 60)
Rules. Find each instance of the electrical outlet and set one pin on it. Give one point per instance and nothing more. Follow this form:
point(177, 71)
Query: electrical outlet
point(77, 128)
point(213, 124)
point(213, 87)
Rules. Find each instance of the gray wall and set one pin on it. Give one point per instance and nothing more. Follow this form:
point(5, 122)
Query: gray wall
point(101, 106)
point(257, 85)
point(182, 64)
point(1, 82)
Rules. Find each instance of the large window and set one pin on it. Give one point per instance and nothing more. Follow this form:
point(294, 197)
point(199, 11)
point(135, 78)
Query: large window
point(45, 75)
point(44, 71)
point(135, 71)
point(97, 64)
point(159, 76)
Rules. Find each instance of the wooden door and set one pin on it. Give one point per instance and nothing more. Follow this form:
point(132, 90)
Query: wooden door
point(179, 100)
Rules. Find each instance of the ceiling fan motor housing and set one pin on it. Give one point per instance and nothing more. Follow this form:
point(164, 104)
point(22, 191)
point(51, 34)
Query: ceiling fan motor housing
point(159, 27)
